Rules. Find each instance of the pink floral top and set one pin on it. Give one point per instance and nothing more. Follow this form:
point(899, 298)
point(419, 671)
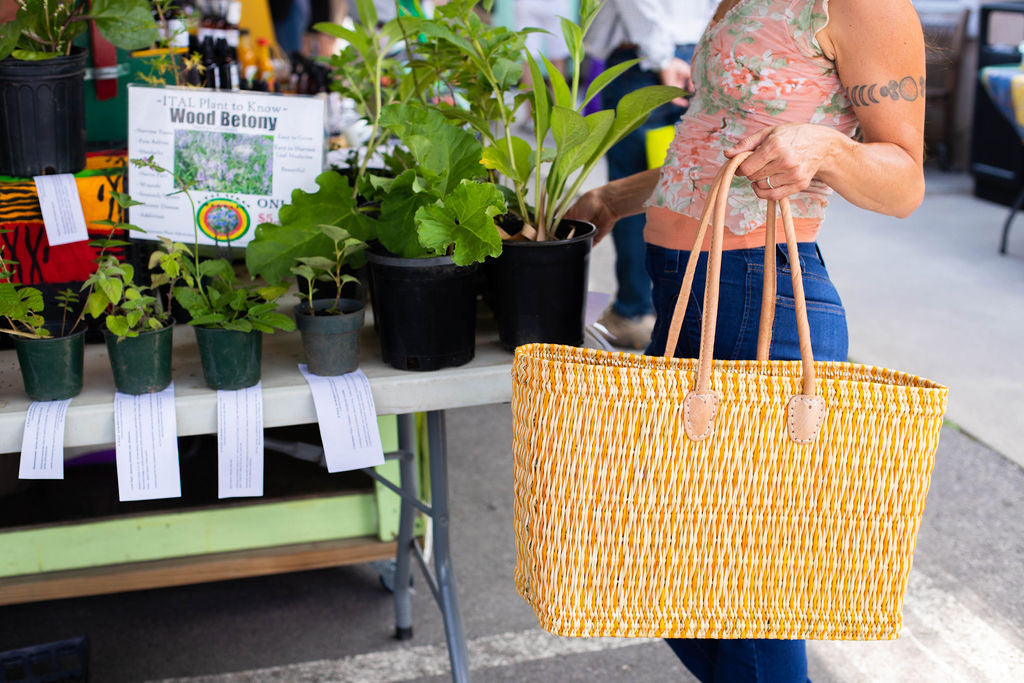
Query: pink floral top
point(760, 65)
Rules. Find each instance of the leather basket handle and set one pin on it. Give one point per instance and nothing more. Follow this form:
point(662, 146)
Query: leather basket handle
point(805, 411)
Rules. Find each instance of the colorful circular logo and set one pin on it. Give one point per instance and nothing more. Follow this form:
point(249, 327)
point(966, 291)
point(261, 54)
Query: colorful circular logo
point(223, 220)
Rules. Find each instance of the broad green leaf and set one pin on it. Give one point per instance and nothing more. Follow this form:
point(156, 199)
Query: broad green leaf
point(318, 262)
point(304, 272)
point(33, 55)
point(367, 13)
point(10, 32)
point(605, 77)
point(465, 219)
point(569, 129)
point(238, 325)
point(598, 125)
point(335, 233)
point(563, 98)
point(96, 304)
point(118, 325)
point(541, 108)
point(446, 153)
point(124, 200)
point(507, 73)
point(397, 224)
point(634, 108)
point(133, 318)
point(128, 24)
point(573, 36)
point(272, 292)
point(112, 288)
point(218, 267)
point(279, 321)
point(274, 247)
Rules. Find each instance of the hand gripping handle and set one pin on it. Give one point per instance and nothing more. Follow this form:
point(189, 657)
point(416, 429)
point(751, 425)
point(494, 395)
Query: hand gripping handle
point(805, 411)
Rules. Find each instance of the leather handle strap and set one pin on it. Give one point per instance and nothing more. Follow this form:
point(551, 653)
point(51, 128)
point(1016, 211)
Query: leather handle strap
point(805, 411)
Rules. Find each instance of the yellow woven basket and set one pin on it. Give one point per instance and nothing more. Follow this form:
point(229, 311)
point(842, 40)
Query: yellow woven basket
point(776, 499)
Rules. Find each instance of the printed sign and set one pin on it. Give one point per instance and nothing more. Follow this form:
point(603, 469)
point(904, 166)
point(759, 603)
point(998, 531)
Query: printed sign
point(240, 154)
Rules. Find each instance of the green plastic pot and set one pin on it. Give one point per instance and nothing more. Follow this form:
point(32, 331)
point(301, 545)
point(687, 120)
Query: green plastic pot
point(331, 342)
point(51, 367)
point(142, 364)
point(231, 359)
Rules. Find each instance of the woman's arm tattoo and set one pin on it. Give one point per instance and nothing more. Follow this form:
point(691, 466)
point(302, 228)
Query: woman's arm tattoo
point(907, 88)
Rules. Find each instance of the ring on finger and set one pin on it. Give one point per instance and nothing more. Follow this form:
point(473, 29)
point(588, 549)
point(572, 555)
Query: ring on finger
point(768, 179)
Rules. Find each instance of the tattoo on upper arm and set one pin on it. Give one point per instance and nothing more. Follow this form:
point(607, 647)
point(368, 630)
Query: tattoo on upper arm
point(907, 88)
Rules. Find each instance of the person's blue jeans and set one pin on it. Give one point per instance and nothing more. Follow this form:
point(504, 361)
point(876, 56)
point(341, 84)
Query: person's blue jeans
point(629, 156)
point(739, 308)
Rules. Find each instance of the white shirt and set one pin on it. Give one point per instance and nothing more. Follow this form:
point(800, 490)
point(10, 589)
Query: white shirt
point(655, 26)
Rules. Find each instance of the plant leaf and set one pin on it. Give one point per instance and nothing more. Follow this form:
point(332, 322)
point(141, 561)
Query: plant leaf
point(568, 127)
point(397, 224)
point(540, 101)
point(128, 24)
point(634, 108)
point(560, 89)
point(605, 77)
point(465, 219)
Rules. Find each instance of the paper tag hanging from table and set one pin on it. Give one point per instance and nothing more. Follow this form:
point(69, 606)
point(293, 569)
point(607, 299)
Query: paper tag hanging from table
point(63, 217)
point(240, 442)
point(42, 446)
point(347, 419)
point(146, 434)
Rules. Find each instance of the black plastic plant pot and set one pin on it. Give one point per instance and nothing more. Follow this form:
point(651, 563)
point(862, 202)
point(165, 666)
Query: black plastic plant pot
point(538, 290)
point(231, 359)
point(42, 115)
point(142, 364)
point(424, 311)
point(331, 341)
point(51, 367)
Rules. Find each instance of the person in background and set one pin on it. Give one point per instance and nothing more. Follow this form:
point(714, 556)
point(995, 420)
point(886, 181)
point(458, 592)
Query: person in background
point(544, 14)
point(826, 95)
point(662, 33)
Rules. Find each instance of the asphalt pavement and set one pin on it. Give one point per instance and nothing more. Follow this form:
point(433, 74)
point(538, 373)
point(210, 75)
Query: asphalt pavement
point(928, 294)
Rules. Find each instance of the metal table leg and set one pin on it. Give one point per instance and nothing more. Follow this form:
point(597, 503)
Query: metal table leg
point(444, 574)
point(1017, 203)
point(441, 580)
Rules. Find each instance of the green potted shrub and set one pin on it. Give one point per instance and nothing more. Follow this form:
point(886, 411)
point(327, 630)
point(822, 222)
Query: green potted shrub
point(330, 326)
point(50, 355)
point(539, 283)
point(138, 326)
point(42, 96)
point(229, 317)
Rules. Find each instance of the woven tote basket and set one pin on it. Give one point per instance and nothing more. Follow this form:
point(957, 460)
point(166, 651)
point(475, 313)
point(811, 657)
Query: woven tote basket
point(691, 498)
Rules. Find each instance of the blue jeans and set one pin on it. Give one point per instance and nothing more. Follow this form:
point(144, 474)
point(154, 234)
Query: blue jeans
point(739, 308)
point(629, 156)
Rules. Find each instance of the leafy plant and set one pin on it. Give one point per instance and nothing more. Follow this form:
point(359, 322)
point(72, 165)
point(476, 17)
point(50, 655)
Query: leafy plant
point(211, 292)
point(321, 269)
point(20, 305)
point(484, 64)
point(129, 308)
point(44, 29)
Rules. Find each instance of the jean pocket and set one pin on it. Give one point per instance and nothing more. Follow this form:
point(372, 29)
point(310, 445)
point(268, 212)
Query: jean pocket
point(829, 334)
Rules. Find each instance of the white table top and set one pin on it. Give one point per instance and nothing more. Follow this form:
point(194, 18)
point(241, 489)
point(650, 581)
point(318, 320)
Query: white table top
point(286, 396)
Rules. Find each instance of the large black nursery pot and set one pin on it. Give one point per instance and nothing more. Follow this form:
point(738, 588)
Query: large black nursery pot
point(539, 289)
point(331, 342)
point(142, 364)
point(42, 115)
point(51, 367)
point(231, 359)
point(424, 310)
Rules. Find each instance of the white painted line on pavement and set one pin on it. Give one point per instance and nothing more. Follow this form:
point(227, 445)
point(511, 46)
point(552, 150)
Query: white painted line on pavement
point(403, 664)
point(942, 640)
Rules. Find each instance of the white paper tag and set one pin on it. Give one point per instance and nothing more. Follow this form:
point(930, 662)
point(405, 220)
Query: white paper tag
point(348, 420)
point(146, 439)
point(240, 442)
point(42, 446)
point(63, 218)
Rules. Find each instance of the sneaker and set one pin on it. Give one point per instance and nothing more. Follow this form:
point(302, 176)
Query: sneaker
point(628, 333)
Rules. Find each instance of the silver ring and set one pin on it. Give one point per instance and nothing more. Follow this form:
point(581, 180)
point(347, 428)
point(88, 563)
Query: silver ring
point(768, 180)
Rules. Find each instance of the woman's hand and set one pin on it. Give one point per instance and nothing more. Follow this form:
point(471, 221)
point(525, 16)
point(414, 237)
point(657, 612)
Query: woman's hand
point(786, 158)
point(593, 206)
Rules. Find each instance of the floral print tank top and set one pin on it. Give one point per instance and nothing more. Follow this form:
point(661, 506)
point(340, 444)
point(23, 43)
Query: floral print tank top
point(760, 65)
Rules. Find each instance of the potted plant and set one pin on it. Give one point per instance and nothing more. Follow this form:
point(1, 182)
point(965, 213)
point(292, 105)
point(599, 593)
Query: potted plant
point(330, 327)
point(42, 105)
point(138, 325)
point(539, 283)
point(50, 355)
point(229, 317)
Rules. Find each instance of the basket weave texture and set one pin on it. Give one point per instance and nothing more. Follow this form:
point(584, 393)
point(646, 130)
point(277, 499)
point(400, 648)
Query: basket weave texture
point(625, 527)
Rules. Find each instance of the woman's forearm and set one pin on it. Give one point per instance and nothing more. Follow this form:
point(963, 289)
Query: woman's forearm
point(626, 196)
point(878, 176)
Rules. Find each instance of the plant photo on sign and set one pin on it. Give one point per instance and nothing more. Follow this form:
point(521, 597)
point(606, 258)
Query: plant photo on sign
point(208, 161)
